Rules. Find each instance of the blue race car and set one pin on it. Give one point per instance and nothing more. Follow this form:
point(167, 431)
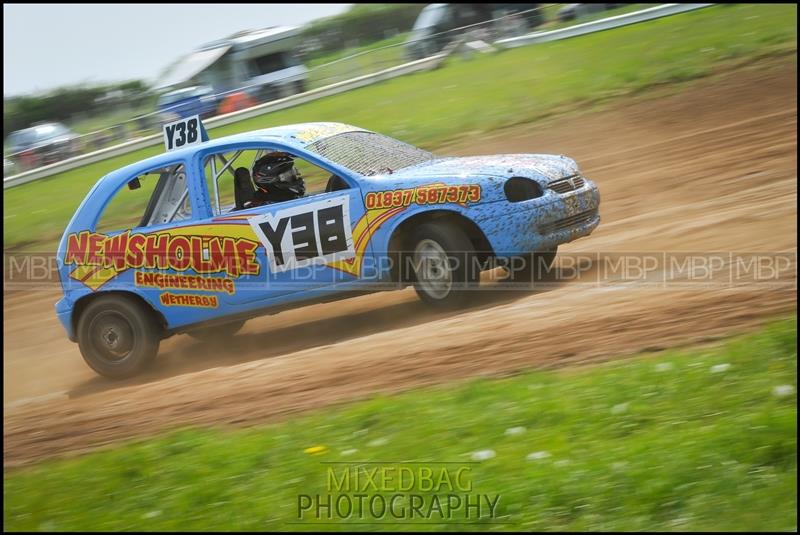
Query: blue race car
point(178, 243)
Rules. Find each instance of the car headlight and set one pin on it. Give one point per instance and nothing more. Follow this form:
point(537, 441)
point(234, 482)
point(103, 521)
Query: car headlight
point(518, 189)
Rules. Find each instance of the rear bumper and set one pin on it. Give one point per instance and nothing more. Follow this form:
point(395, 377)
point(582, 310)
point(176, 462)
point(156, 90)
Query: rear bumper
point(64, 314)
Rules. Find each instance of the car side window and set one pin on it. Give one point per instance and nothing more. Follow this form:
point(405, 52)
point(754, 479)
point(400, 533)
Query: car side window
point(222, 168)
point(155, 197)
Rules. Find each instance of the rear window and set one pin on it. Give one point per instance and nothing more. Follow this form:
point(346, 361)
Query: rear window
point(25, 137)
point(368, 153)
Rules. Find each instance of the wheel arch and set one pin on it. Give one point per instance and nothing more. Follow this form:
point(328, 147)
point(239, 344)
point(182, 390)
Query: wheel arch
point(80, 306)
point(402, 232)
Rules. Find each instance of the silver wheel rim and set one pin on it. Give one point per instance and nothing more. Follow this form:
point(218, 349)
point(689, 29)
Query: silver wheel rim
point(432, 269)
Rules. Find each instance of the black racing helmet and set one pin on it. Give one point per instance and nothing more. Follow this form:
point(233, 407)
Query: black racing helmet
point(276, 176)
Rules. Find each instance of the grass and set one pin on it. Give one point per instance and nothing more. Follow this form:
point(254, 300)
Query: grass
point(692, 439)
point(322, 74)
point(551, 15)
point(117, 116)
point(471, 97)
point(390, 41)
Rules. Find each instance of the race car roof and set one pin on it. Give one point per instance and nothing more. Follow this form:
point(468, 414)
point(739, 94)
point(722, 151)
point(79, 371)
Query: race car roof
point(292, 136)
point(296, 135)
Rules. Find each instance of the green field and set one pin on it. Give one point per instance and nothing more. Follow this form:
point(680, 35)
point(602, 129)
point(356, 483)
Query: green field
point(374, 57)
point(551, 15)
point(390, 52)
point(470, 97)
point(121, 114)
point(695, 439)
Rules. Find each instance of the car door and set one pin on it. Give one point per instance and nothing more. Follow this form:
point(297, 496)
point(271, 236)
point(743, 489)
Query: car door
point(315, 242)
point(309, 243)
point(142, 238)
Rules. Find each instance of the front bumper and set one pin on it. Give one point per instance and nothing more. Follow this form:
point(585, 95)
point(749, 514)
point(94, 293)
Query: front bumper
point(573, 216)
point(542, 224)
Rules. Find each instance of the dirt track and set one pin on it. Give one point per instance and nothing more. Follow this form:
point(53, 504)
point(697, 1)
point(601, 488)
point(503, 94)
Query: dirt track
point(713, 168)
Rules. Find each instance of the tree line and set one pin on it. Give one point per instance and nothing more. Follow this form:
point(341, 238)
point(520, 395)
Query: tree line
point(361, 24)
point(65, 103)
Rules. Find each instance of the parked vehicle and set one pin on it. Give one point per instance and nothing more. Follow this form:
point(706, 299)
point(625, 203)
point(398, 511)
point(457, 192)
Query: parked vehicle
point(575, 11)
point(8, 167)
point(235, 102)
point(437, 24)
point(186, 102)
point(262, 62)
point(42, 144)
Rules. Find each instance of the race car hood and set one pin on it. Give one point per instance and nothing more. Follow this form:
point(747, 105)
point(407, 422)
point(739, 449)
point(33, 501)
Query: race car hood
point(545, 167)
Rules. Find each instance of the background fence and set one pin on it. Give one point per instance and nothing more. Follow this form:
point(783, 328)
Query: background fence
point(364, 67)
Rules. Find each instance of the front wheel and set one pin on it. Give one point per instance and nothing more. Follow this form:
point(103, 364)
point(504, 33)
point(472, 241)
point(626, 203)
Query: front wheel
point(444, 265)
point(118, 336)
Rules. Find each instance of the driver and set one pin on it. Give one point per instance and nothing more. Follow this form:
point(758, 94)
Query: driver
point(276, 179)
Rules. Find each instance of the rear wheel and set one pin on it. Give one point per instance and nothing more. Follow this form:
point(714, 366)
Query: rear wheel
point(118, 336)
point(444, 265)
point(217, 334)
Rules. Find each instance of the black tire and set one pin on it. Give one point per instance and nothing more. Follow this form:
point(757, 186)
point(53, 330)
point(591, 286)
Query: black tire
point(218, 334)
point(451, 275)
point(118, 336)
point(527, 270)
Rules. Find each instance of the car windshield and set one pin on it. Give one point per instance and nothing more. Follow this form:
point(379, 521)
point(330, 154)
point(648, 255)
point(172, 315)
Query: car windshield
point(368, 153)
point(37, 134)
point(25, 137)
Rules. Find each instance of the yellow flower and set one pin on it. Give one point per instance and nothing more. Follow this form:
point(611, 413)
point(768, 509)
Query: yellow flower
point(316, 450)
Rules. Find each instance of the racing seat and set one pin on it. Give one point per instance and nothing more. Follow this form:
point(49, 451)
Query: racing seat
point(335, 183)
point(243, 189)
